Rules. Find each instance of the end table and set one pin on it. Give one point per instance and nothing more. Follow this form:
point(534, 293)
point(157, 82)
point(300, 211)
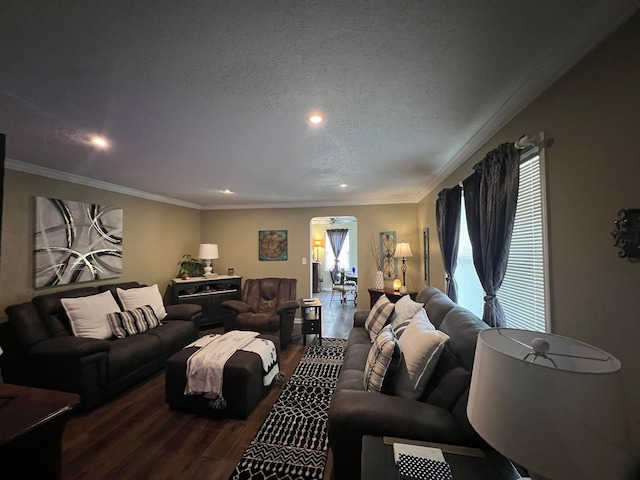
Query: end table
point(311, 318)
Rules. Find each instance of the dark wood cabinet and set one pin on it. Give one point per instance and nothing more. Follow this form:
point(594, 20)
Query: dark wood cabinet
point(316, 277)
point(208, 293)
point(391, 294)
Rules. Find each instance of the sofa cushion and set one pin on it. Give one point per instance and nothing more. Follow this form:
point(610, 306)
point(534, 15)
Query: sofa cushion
point(133, 298)
point(132, 322)
point(88, 315)
point(382, 362)
point(127, 355)
point(421, 347)
point(378, 316)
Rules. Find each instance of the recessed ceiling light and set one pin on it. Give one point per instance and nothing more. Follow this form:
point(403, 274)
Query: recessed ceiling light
point(343, 185)
point(227, 191)
point(315, 118)
point(99, 142)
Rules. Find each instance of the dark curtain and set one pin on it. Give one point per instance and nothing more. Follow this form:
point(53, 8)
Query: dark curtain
point(336, 238)
point(490, 196)
point(448, 223)
point(2, 146)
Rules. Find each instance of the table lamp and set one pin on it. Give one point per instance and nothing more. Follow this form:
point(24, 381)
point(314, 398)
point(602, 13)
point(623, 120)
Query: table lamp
point(208, 252)
point(316, 244)
point(549, 403)
point(402, 251)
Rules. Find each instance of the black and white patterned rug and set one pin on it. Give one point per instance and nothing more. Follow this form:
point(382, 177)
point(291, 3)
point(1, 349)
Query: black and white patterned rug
point(292, 442)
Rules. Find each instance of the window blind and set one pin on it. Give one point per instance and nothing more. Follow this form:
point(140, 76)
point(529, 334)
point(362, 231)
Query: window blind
point(524, 289)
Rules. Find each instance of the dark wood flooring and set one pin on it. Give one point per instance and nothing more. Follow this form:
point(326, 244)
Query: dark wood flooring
point(136, 436)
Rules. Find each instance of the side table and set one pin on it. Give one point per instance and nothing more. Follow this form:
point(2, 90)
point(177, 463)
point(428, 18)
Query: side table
point(375, 294)
point(311, 319)
point(466, 463)
point(31, 424)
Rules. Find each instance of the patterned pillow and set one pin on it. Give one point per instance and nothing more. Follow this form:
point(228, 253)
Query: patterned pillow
point(378, 316)
point(133, 321)
point(382, 362)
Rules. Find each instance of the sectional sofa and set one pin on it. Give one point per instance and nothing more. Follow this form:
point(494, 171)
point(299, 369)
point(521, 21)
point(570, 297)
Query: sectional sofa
point(41, 349)
point(437, 415)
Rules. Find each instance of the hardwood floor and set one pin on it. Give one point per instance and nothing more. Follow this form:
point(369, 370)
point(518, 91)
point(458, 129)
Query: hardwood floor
point(136, 436)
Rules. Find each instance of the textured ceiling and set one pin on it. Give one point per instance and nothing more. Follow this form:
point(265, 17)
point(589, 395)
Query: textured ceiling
point(201, 96)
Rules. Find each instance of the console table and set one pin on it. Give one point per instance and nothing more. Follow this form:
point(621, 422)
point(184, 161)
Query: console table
point(31, 424)
point(208, 293)
point(466, 463)
point(311, 319)
point(392, 295)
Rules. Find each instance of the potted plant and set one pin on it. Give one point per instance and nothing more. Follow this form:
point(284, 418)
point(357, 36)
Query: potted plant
point(190, 267)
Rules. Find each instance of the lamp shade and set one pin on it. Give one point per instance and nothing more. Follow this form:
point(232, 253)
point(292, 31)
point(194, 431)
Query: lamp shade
point(555, 408)
point(208, 251)
point(403, 250)
point(317, 242)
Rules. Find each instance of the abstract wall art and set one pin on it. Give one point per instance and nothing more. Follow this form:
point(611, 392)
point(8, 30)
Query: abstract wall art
point(76, 242)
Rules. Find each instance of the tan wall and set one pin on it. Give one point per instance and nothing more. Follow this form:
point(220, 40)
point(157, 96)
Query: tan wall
point(236, 233)
point(155, 234)
point(593, 170)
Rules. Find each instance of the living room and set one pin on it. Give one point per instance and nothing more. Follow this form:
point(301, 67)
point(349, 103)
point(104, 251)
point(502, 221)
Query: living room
point(591, 112)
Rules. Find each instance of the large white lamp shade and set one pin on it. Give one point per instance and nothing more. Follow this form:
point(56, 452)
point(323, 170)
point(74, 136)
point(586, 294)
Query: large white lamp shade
point(557, 410)
point(208, 252)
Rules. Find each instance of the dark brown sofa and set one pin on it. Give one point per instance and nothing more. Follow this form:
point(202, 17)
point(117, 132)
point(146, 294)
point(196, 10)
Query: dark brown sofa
point(439, 415)
point(267, 305)
point(41, 351)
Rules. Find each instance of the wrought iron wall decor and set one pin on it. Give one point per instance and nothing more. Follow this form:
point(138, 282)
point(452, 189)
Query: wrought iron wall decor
point(627, 234)
point(387, 249)
point(272, 245)
point(76, 242)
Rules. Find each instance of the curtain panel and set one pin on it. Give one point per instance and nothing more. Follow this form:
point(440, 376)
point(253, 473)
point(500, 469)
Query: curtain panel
point(490, 195)
point(448, 224)
point(336, 238)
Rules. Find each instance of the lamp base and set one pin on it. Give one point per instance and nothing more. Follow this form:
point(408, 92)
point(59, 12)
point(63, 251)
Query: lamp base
point(208, 269)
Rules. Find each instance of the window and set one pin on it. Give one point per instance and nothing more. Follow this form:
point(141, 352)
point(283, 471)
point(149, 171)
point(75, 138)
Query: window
point(523, 294)
point(343, 258)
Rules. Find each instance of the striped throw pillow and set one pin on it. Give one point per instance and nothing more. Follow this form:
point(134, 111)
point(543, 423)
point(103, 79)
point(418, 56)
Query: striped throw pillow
point(134, 321)
point(382, 362)
point(378, 316)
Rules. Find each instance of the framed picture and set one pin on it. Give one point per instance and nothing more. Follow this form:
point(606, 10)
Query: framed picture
point(76, 242)
point(425, 253)
point(272, 245)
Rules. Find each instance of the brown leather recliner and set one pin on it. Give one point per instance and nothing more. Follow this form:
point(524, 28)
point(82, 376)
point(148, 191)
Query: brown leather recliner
point(267, 305)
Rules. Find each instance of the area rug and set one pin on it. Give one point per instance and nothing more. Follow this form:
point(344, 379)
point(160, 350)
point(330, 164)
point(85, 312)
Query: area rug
point(292, 442)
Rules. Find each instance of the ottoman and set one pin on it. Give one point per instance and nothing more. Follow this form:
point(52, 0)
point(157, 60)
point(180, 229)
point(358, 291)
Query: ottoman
point(242, 385)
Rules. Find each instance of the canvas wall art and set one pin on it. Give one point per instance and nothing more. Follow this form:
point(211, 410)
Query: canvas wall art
point(387, 249)
point(76, 242)
point(272, 245)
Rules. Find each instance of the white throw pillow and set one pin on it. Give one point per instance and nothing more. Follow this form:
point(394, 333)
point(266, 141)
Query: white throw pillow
point(88, 315)
point(399, 325)
point(406, 308)
point(421, 347)
point(133, 298)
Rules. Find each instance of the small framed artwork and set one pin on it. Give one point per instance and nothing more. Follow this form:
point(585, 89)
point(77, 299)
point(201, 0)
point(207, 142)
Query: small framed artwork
point(272, 245)
point(387, 249)
point(425, 253)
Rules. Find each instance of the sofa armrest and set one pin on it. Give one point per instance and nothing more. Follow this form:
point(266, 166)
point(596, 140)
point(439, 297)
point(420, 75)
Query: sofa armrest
point(183, 311)
point(62, 348)
point(354, 413)
point(359, 317)
point(288, 305)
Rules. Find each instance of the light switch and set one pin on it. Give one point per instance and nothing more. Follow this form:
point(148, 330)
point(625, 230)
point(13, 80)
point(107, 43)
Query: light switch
point(304, 261)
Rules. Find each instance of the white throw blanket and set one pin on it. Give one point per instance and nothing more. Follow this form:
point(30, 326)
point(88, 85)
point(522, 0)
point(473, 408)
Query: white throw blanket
point(205, 367)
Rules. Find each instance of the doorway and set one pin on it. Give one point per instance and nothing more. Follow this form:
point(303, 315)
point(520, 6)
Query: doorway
point(322, 253)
